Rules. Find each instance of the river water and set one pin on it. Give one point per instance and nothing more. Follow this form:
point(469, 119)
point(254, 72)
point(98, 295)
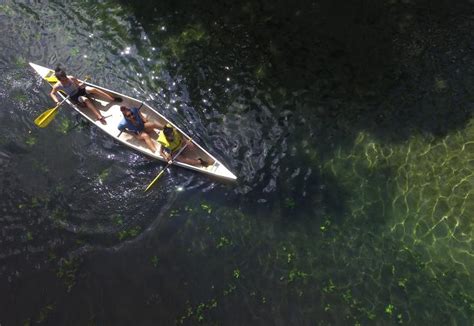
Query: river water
point(349, 127)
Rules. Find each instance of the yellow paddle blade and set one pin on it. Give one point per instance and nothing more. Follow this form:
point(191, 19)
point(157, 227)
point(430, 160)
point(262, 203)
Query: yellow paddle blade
point(156, 179)
point(52, 79)
point(169, 163)
point(46, 117)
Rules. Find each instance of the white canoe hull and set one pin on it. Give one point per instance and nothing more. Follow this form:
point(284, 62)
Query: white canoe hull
point(111, 110)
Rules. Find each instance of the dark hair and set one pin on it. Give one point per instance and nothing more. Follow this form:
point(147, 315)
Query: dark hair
point(168, 130)
point(60, 73)
point(124, 108)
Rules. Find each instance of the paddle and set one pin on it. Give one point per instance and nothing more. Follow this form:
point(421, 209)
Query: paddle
point(167, 165)
point(47, 116)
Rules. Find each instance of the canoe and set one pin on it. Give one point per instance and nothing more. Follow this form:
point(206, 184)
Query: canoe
point(111, 111)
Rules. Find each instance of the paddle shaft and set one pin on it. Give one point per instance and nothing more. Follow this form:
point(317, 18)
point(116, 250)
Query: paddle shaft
point(167, 165)
point(59, 103)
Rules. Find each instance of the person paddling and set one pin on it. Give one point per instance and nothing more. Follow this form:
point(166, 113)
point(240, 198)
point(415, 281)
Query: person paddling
point(136, 124)
point(79, 93)
point(171, 141)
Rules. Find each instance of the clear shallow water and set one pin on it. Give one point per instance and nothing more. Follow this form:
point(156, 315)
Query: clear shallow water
point(353, 156)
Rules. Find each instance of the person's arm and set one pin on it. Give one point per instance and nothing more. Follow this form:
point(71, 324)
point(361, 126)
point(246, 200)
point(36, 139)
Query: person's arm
point(123, 128)
point(182, 140)
point(143, 118)
point(164, 153)
point(53, 94)
point(76, 81)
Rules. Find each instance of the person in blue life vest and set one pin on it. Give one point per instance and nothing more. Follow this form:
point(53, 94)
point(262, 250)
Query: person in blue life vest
point(136, 124)
point(171, 141)
point(79, 93)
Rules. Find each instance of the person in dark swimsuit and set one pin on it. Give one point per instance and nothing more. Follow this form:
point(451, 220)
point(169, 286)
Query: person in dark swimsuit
point(79, 93)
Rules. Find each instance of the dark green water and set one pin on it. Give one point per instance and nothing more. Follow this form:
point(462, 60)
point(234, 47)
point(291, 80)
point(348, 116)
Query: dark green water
point(349, 126)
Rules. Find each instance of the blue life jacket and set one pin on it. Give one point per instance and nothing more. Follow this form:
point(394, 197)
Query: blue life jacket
point(127, 124)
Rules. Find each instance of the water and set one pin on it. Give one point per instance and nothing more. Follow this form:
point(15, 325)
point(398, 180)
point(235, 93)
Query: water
point(349, 127)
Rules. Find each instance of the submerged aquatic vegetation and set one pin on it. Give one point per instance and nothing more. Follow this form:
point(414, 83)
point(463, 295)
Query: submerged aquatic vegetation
point(75, 51)
point(260, 72)
point(40, 166)
point(103, 175)
point(291, 262)
point(20, 62)
point(117, 219)
point(19, 96)
point(389, 309)
point(236, 273)
point(129, 233)
point(6, 9)
point(44, 313)
point(29, 236)
point(177, 45)
point(64, 125)
point(223, 242)
point(154, 261)
point(58, 215)
point(31, 140)
point(418, 192)
point(198, 313)
point(206, 207)
point(289, 203)
point(67, 271)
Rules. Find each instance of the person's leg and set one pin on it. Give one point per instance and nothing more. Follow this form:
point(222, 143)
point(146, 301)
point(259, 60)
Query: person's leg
point(150, 125)
point(188, 156)
point(95, 91)
point(144, 136)
point(94, 110)
point(188, 160)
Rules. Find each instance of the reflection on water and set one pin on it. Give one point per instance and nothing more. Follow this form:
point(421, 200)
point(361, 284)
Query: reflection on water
point(353, 204)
